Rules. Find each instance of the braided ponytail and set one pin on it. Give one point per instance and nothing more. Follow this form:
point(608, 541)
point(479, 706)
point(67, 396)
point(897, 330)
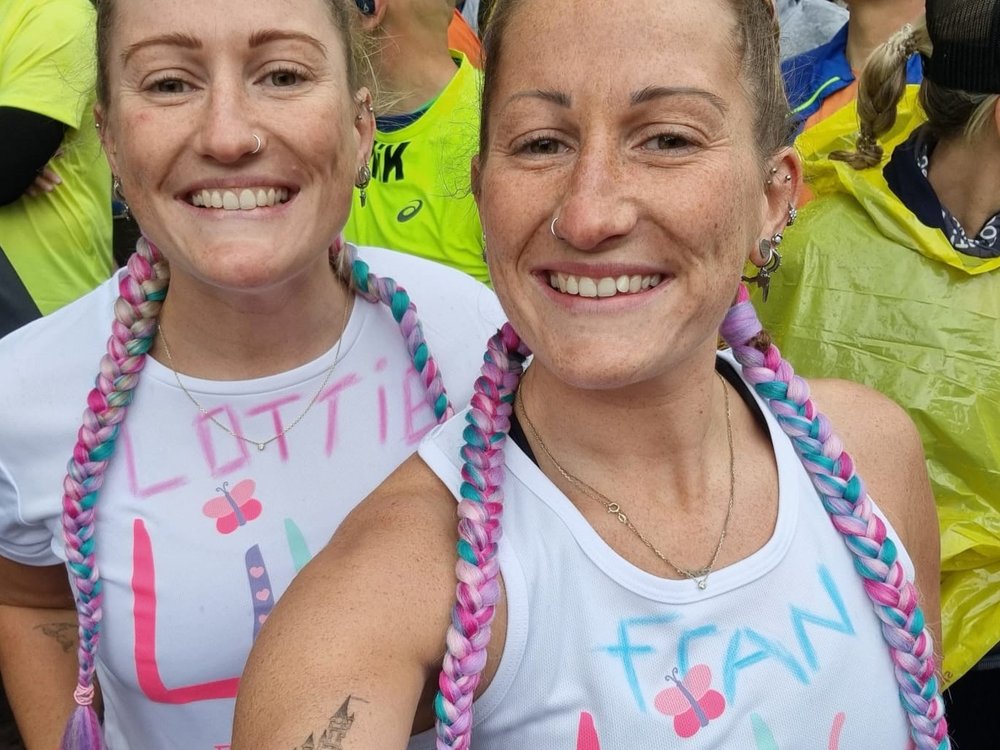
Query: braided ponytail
point(851, 511)
point(142, 290)
point(880, 87)
point(479, 513)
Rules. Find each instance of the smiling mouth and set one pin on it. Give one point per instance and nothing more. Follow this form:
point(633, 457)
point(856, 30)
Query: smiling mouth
point(239, 199)
point(608, 286)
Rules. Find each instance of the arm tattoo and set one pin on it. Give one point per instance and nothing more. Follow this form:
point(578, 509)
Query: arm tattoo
point(336, 731)
point(64, 633)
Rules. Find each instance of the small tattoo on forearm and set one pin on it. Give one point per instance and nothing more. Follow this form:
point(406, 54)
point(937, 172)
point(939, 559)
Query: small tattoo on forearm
point(336, 731)
point(64, 633)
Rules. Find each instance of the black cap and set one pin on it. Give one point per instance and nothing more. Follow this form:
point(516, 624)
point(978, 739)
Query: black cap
point(966, 39)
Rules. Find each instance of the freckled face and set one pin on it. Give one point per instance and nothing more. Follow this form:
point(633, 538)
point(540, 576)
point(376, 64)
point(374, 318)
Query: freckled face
point(642, 145)
point(190, 83)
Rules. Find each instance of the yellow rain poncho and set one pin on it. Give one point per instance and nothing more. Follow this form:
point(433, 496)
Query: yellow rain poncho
point(867, 293)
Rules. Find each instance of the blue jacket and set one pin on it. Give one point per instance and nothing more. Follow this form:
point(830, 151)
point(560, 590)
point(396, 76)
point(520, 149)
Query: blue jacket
point(815, 75)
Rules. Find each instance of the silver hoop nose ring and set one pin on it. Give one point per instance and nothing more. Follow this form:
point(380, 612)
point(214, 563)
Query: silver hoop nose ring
point(552, 228)
point(256, 138)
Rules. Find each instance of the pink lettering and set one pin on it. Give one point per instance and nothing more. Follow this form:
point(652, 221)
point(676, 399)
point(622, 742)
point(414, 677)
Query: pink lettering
point(206, 431)
point(332, 396)
point(419, 415)
point(279, 427)
point(144, 606)
point(586, 733)
point(156, 488)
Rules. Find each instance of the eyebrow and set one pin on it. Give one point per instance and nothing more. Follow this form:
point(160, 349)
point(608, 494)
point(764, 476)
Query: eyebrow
point(260, 38)
point(257, 39)
point(556, 97)
point(651, 93)
point(175, 39)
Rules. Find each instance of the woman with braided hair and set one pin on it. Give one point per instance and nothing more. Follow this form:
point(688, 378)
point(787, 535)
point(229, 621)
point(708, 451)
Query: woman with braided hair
point(918, 228)
point(659, 545)
point(260, 378)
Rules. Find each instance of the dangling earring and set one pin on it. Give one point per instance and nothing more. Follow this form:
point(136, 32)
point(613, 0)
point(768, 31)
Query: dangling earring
point(116, 191)
point(772, 262)
point(364, 179)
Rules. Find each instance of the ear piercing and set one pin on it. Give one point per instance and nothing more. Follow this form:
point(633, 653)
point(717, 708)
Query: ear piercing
point(361, 116)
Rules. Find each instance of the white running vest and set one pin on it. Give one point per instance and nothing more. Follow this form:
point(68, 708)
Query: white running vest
point(782, 651)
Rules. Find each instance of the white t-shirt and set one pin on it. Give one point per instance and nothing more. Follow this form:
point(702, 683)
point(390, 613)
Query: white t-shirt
point(197, 532)
point(781, 650)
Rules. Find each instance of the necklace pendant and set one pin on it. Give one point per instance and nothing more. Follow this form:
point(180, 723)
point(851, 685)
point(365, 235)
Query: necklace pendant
point(261, 446)
point(703, 584)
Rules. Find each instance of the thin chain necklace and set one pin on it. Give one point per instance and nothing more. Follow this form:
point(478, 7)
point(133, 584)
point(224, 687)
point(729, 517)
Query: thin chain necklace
point(698, 575)
point(260, 444)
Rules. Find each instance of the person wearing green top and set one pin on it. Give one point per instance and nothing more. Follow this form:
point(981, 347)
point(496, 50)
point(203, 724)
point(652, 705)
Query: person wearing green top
point(419, 198)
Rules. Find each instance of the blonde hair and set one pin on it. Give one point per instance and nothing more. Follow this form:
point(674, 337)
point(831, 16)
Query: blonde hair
point(951, 113)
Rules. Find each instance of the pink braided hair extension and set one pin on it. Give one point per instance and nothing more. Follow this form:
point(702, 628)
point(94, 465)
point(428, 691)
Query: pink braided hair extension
point(822, 455)
point(479, 514)
point(142, 289)
point(843, 495)
point(384, 289)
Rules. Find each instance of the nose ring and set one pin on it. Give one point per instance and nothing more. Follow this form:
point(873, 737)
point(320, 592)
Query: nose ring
point(552, 228)
point(256, 138)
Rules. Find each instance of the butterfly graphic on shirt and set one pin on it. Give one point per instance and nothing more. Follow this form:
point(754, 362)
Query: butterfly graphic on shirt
point(235, 507)
point(691, 700)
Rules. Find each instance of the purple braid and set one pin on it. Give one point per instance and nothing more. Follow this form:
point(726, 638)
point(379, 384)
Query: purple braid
point(142, 290)
point(479, 514)
point(851, 511)
point(395, 297)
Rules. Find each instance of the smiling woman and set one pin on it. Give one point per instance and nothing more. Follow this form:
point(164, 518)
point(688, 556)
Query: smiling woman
point(260, 378)
point(657, 541)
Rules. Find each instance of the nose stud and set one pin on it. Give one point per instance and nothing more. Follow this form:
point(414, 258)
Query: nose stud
point(256, 138)
point(552, 228)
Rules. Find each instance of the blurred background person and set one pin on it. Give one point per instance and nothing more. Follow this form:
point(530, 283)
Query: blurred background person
point(419, 200)
point(892, 278)
point(55, 186)
point(806, 24)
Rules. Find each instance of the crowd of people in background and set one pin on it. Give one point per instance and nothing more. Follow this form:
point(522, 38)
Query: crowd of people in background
point(260, 249)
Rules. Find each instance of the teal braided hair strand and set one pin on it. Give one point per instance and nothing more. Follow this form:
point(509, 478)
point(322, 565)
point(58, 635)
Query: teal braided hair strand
point(851, 511)
point(479, 514)
point(142, 289)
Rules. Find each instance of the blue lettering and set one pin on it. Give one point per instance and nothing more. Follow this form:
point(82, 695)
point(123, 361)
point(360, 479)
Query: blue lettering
point(765, 649)
point(683, 645)
point(625, 650)
point(800, 617)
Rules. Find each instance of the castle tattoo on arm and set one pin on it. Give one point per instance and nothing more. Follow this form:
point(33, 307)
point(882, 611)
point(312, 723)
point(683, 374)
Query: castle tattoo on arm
point(336, 731)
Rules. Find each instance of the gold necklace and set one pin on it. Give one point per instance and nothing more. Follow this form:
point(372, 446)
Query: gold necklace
point(260, 444)
point(698, 575)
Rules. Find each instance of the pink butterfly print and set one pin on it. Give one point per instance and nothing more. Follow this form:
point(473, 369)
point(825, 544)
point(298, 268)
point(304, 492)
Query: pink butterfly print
point(234, 507)
point(586, 733)
point(691, 702)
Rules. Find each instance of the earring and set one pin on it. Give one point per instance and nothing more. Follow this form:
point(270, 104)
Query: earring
point(361, 115)
point(364, 179)
point(772, 262)
point(770, 180)
point(793, 214)
point(116, 191)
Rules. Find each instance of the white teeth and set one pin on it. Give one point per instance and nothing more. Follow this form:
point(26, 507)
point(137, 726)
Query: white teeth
point(607, 286)
point(241, 199)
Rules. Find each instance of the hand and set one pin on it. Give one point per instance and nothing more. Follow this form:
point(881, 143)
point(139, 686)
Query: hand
point(45, 182)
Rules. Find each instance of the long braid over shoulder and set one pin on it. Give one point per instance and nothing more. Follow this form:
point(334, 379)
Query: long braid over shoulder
point(881, 85)
point(479, 512)
point(821, 452)
point(143, 288)
point(850, 508)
